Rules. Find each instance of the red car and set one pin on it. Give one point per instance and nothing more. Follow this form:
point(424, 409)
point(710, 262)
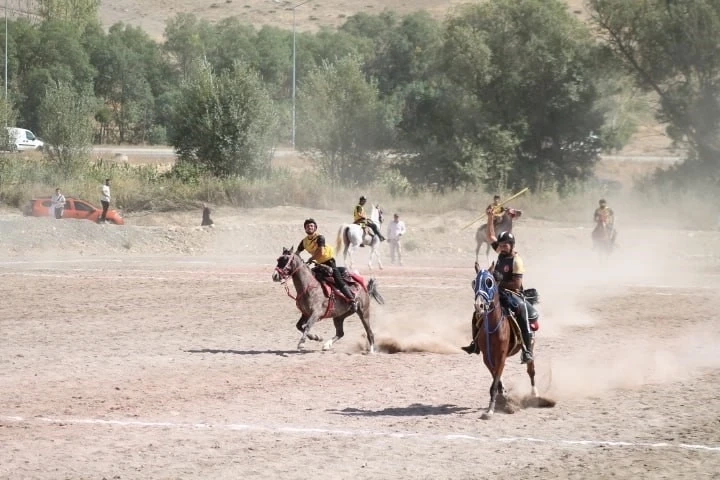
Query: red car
point(74, 208)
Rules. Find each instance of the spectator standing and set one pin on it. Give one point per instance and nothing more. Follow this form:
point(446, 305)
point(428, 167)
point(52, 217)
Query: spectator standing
point(105, 201)
point(58, 204)
point(396, 229)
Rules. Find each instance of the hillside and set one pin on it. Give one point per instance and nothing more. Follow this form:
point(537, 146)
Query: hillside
point(152, 14)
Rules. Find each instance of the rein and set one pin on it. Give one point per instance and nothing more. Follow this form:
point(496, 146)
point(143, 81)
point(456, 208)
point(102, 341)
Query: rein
point(489, 333)
point(286, 274)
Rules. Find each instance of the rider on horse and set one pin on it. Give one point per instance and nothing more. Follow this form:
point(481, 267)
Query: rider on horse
point(498, 210)
point(509, 269)
point(361, 218)
point(324, 254)
point(604, 219)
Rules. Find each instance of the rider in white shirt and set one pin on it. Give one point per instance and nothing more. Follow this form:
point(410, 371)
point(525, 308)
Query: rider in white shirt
point(396, 229)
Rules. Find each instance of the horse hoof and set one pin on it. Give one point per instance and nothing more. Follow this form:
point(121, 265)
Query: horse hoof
point(372, 349)
point(327, 345)
point(486, 416)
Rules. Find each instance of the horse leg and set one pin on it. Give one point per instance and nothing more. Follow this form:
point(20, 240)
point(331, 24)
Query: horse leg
point(531, 374)
point(306, 331)
point(300, 325)
point(494, 388)
point(374, 253)
point(364, 314)
point(339, 331)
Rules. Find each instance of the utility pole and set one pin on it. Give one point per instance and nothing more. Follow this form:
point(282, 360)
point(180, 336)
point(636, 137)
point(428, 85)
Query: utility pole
point(293, 73)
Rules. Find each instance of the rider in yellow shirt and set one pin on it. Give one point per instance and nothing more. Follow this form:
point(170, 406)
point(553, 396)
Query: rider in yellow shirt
point(324, 254)
point(361, 218)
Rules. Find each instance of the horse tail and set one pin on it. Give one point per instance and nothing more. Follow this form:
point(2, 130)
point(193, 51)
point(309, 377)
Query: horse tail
point(338, 240)
point(373, 291)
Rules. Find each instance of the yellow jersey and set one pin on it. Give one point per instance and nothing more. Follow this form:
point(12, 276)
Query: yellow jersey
point(315, 245)
point(359, 214)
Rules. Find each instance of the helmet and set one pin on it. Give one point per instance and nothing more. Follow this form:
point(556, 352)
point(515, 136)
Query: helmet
point(362, 198)
point(506, 237)
point(308, 222)
point(602, 201)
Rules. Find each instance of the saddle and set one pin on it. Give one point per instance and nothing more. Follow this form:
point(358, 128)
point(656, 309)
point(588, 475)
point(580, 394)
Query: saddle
point(323, 274)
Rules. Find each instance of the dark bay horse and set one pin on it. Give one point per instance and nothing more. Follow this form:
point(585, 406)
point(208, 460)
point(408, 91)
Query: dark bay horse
point(603, 237)
point(317, 300)
point(498, 337)
point(503, 223)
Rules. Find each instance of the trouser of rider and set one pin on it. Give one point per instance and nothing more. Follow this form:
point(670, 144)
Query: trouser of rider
point(374, 227)
point(339, 282)
point(520, 307)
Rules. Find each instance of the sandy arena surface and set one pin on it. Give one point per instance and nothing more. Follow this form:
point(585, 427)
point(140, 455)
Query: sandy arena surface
point(160, 350)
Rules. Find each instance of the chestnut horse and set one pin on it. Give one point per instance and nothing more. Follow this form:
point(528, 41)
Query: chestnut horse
point(603, 237)
point(317, 300)
point(498, 337)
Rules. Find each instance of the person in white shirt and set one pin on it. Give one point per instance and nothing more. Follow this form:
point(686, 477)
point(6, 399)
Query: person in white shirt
point(58, 204)
point(396, 229)
point(105, 201)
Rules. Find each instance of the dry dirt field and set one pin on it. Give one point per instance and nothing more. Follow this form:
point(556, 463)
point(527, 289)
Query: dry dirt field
point(161, 350)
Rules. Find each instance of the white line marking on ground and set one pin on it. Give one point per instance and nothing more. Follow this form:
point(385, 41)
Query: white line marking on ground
point(315, 431)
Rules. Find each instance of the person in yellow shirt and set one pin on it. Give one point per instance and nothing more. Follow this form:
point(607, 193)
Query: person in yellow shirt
point(324, 254)
point(361, 218)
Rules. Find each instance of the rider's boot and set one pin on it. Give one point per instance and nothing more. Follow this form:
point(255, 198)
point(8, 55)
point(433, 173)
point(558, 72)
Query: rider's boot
point(353, 302)
point(472, 348)
point(522, 317)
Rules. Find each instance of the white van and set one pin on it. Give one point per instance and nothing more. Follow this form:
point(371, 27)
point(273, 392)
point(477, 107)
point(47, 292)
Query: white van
point(23, 139)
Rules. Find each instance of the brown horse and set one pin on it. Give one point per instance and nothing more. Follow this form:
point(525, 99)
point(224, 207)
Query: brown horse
point(603, 237)
point(317, 300)
point(498, 337)
point(503, 223)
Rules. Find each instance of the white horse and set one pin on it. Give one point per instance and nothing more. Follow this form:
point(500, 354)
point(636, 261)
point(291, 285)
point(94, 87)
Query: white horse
point(350, 236)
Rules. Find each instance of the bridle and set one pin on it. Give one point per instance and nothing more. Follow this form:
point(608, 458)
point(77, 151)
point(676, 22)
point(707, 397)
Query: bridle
point(289, 269)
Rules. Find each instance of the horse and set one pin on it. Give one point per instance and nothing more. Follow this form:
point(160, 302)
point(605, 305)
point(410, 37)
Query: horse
point(603, 237)
point(351, 236)
point(317, 300)
point(502, 224)
point(498, 337)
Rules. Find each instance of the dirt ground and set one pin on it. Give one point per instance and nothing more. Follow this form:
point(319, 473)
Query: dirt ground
point(162, 350)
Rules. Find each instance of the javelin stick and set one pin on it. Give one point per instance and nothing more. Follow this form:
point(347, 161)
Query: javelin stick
point(510, 199)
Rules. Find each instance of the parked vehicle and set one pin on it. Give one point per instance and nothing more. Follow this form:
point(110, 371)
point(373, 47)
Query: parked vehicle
point(74, 208)
point(22, 139)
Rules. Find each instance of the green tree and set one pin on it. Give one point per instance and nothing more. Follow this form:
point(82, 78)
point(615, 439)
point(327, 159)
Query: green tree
point(522, 82)
point(224, 124)
point(65, 117)
point(342, 117)
point(671, 49)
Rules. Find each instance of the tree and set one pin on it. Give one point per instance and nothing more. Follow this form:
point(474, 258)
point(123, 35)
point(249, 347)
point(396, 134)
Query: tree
point(65, 117)
point(522, 73)
point(225, 124)
point(342, 117)
point(671, 49)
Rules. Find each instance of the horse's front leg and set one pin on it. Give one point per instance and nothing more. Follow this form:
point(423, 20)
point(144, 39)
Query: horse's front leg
point(306, 331)
point(494, 388)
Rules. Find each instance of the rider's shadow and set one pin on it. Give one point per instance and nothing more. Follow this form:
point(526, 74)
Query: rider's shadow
point(281, 353)
point(414, 410)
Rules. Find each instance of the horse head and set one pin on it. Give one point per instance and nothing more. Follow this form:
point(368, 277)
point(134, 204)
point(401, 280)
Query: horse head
point(486, 290)
point(287, 264)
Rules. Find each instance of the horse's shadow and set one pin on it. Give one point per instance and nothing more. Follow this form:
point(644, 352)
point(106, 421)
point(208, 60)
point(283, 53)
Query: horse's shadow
point(414, 410)
point(281, 353)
